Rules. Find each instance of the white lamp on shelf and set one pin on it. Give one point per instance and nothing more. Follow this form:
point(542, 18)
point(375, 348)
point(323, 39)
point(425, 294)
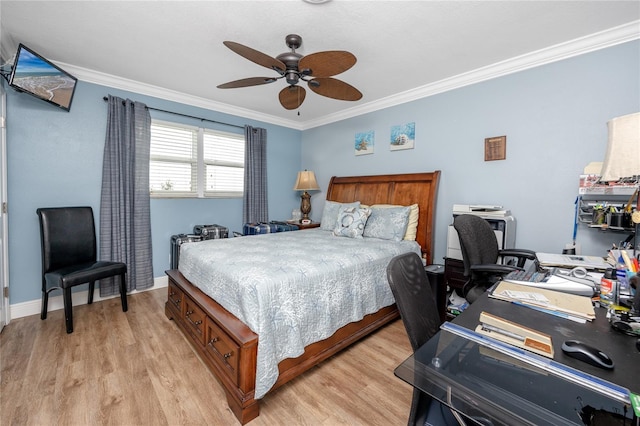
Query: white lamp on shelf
point(306, 182)
point(622, 159)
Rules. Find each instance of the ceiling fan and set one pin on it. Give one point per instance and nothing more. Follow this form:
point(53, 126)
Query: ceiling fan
point(316, 69)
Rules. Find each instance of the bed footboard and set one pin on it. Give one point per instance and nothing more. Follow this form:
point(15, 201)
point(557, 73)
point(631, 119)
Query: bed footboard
point(226, 345)
point(229, 348)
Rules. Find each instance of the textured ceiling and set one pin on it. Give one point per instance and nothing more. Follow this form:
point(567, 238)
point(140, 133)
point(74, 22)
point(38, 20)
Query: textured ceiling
point(175, 48)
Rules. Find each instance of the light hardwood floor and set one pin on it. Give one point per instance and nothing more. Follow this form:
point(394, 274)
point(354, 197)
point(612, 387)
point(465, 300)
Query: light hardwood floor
point(136, 368)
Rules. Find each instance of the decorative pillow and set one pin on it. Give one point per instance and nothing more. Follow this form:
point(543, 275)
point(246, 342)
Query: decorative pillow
point(388, 223)
point(412, 226)
point(330, 213)
point(351, 222)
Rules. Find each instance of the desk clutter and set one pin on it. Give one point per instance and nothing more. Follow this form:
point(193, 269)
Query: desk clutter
point(619, 285)
point(610, 282)
point(518, 337)
point(569, 306)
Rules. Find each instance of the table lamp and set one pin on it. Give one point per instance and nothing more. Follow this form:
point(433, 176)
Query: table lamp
point(622, 158)
point(306, 182)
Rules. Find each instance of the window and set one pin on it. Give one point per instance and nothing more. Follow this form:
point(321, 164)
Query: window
point(188, 161)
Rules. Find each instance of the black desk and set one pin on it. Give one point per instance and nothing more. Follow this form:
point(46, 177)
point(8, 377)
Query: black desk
point(479, 382)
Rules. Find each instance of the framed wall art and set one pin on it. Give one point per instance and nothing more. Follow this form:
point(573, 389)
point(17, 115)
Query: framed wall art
point(364, 143)
point(403, 136)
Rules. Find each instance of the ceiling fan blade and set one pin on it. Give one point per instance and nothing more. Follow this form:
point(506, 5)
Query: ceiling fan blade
point(245, 82)
point(326, 64)
point(334, 88)
point(291, 97)
point(256, 56)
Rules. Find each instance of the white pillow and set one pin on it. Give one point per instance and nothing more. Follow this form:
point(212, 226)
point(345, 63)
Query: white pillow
point(330, 213)
point(412, 227)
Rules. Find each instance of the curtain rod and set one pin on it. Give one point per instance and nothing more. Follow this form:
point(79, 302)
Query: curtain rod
point(185, 115)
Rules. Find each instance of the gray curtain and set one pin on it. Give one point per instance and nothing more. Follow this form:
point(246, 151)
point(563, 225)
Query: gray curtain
point(125, 219)
point(255, 208)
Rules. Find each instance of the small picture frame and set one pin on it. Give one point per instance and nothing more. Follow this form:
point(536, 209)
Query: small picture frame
point(364, 142)
point(402, 136)
point(495, 148)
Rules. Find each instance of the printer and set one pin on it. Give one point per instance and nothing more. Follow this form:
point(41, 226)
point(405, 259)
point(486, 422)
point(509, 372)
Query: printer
point(480, 210)
point(500, 219)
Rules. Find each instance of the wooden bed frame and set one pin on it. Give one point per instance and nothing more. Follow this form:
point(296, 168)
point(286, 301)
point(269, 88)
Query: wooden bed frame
point(229, 348)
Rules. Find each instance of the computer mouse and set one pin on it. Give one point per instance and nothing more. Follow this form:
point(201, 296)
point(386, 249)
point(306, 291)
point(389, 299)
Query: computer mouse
point(586, 353)
point(622, 327)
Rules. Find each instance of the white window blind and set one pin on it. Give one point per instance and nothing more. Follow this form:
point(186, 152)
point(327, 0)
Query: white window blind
point(188, 161)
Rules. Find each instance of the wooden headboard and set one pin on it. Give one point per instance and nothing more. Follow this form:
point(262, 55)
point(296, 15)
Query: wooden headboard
point(401, 189)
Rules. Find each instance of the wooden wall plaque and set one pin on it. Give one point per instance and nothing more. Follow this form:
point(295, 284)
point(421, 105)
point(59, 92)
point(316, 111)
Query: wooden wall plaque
point(495, 148)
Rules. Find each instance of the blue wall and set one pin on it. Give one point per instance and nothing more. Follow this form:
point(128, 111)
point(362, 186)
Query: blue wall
point(55, 159)
point(555, 119)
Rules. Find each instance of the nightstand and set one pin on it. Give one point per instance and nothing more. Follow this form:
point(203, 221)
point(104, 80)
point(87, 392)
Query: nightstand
point(308, 226)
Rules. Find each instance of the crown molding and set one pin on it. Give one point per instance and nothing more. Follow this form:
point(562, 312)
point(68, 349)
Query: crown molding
point(112, 81)
point(580, 46)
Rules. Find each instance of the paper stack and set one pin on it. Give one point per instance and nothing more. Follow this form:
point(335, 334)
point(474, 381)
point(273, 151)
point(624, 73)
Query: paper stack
point(515, 334)
point(569, 306)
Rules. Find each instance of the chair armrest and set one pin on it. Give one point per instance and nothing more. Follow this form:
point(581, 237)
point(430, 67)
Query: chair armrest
point(494, 268)
point(522, 255)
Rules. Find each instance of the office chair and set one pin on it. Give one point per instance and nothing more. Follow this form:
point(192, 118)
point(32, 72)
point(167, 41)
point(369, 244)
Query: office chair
point(480, 255)
point(68, 240)
point(417, 305)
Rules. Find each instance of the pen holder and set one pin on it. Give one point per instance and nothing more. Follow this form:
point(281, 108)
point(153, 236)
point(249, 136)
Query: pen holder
point(598, 217)
point(620, 220)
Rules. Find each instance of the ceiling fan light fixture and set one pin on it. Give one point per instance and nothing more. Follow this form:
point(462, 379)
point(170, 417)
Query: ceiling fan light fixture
point(292, 77)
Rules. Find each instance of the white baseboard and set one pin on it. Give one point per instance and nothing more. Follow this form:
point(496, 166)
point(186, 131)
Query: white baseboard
point(32, 307)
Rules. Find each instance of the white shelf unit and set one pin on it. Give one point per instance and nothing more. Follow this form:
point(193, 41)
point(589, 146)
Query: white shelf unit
point(608, 197)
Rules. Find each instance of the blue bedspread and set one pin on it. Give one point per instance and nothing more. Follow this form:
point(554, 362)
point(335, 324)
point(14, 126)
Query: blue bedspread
point(293, 288)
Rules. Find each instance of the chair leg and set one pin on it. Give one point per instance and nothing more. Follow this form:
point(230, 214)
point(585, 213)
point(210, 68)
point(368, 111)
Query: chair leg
point(68, 313)
point(45, 305)
point(92, 286)
point(123, 292)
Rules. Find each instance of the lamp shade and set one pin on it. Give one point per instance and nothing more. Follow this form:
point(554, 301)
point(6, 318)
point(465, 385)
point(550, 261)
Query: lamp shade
point(306, 182)
point(622, 159)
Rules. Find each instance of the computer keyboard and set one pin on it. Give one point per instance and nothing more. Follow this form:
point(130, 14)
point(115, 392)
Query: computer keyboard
point(531, 276)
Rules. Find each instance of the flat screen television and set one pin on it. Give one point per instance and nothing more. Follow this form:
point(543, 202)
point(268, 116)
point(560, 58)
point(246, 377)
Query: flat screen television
point(33, 74)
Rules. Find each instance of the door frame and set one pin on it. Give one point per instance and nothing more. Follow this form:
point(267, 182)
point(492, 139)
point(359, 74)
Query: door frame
point(4, 222)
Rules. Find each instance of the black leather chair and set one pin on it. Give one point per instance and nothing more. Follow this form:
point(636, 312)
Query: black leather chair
point(69, 257)
point(419, 312)
point(480, 255)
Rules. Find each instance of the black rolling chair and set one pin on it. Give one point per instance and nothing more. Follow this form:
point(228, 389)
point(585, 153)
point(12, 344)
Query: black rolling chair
point(480, 255)
point(417, 305)
point(69, 257)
